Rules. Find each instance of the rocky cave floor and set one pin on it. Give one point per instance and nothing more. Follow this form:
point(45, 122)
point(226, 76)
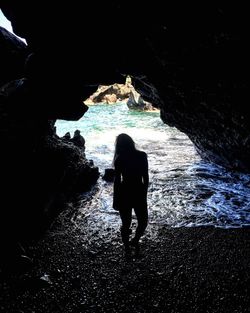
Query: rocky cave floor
point(85, 269)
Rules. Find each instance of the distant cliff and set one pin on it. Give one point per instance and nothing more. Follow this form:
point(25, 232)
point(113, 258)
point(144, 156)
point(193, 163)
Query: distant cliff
point(110, 94)
point(120, 93)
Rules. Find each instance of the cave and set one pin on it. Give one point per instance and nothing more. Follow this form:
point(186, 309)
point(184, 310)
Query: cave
point(191, 62)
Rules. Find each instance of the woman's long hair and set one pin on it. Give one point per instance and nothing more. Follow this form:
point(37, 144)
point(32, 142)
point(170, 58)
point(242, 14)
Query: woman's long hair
point(124, 144)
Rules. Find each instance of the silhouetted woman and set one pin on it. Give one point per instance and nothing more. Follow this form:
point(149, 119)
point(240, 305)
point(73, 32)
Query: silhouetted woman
point(130, 187)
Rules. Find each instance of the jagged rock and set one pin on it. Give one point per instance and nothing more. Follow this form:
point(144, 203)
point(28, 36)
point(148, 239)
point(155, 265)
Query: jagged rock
point(13, 53)
point(78, 139)
point(110, 94)
point(121, 92)
point(38, 169)
point(109, 174)
point(110, 98)
point(135, 102)
point(67, 136)
point(191, 62)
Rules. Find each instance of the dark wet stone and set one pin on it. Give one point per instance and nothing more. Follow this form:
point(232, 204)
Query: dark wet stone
point(109, 174)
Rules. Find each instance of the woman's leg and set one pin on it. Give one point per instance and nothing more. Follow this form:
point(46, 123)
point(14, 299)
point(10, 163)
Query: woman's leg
point(142, 219)
point(126, 217)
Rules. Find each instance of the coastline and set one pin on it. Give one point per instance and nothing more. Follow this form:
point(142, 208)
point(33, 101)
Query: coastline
point(91, 103)
point(203, 269)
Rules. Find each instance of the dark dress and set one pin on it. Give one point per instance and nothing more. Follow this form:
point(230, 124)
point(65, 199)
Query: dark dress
point(130, 191)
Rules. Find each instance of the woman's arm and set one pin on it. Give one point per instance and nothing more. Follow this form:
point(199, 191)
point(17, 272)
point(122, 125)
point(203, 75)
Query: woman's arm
point(145, 176)
point(117, 184)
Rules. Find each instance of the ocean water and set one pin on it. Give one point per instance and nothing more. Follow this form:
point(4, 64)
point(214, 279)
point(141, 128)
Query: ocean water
point(183, 191)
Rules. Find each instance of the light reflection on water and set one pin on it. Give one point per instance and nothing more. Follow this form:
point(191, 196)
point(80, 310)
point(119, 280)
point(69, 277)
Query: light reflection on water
point(184, 190)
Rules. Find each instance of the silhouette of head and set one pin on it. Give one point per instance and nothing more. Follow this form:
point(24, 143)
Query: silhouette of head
point(124, 143)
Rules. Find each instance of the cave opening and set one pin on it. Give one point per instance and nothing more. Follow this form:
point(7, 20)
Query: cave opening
point(99, 126)
point(197, 59)
point(183, 190)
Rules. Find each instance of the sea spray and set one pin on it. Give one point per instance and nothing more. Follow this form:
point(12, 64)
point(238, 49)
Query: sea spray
point(183, 191)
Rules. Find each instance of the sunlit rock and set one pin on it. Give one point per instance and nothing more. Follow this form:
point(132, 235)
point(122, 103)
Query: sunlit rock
point(136, 102)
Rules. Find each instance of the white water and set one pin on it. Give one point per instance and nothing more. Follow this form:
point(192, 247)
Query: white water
point(183, 191)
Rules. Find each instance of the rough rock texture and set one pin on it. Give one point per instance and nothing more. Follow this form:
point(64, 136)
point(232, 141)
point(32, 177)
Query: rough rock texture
point(110, 94)
point(13, 53)
point(39, 171)
point(177, 270)
point(37, 167)
point(136, 102)
point(120, 92)
point(191, 60)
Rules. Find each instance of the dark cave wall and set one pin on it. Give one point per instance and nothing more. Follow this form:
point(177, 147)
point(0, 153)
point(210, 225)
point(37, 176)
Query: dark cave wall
point(192, 61)
point(200, 69)
point(39, 170)
point(13, 53)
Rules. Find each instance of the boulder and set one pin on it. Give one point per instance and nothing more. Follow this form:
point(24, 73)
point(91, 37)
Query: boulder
point(109, 175)
point(136, 102)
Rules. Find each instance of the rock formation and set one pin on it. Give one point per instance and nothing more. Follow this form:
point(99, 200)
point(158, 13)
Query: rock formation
point(191, 61)
point(110, 94)
point(136, 102)
point(39, 170)
point(13, 53)
point(120, 92)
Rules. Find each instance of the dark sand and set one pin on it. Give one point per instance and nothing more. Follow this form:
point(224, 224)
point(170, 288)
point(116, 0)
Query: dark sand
point(176, 270)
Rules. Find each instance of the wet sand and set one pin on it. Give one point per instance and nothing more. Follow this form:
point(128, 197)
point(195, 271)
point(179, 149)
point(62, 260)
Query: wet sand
point(176, 270)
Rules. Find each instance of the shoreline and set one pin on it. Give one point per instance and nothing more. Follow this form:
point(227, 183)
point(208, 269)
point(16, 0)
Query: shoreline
point(202, 269)
point(89, 103)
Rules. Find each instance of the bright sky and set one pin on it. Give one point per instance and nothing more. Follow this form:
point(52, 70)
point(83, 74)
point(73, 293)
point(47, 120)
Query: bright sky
point(6, 24)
